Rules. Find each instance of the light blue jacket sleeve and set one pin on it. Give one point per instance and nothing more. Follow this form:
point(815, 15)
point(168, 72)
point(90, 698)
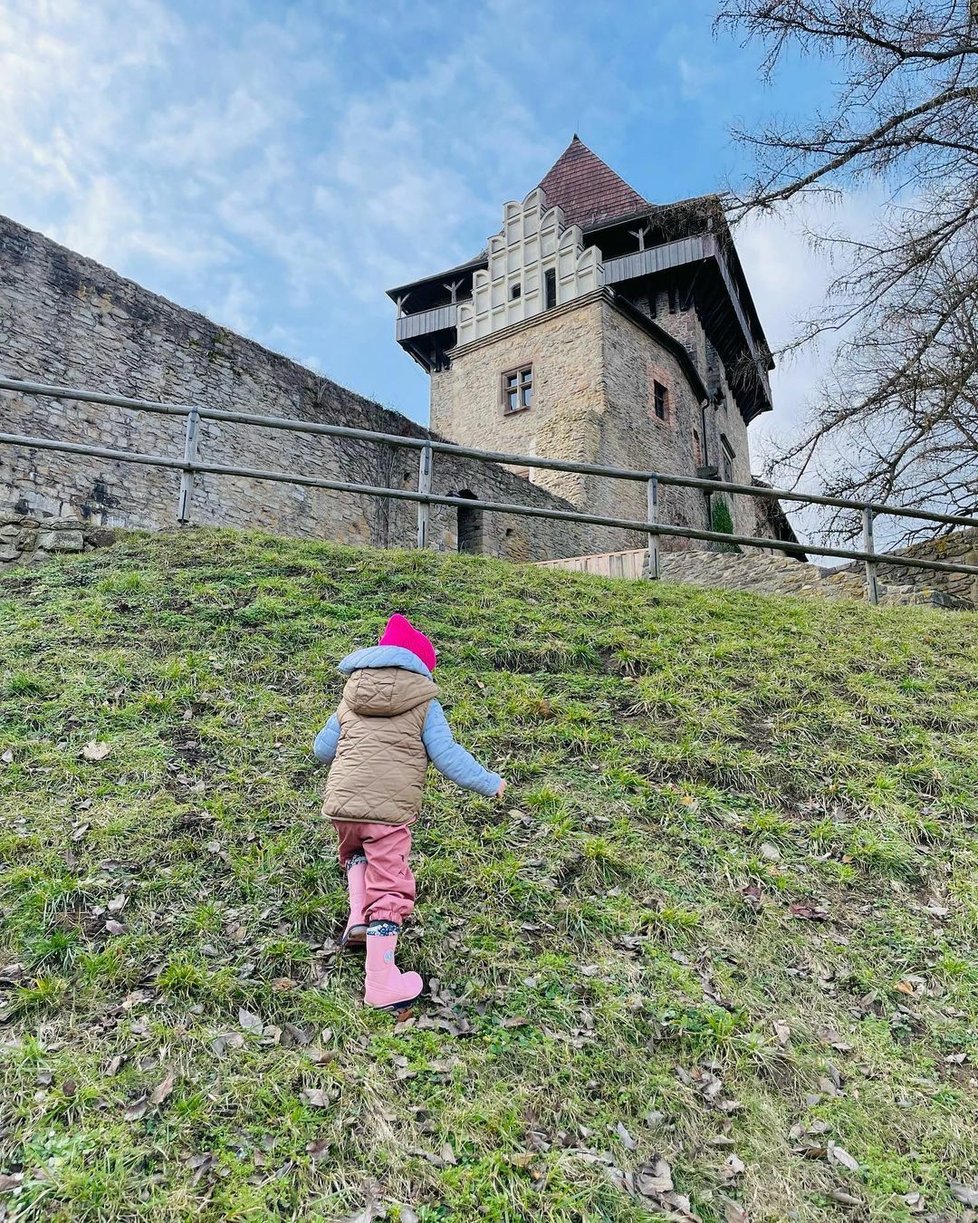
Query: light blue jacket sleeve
point(327, 741)
point(450, 758)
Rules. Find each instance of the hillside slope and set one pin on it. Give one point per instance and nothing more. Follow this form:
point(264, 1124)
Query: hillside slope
point(714, 957)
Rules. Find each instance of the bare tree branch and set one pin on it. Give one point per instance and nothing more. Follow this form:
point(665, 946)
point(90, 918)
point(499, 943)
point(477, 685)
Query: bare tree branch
point(898, 420)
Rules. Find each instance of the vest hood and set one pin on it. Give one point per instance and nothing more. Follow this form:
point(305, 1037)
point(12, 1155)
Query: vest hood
point(383, 656)
point(384, 692)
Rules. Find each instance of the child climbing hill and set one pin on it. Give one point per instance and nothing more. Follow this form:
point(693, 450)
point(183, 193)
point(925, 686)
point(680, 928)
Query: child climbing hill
point(387, 728)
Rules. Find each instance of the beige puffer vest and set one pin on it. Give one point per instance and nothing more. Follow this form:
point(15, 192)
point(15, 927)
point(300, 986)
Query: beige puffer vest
point(378, 774)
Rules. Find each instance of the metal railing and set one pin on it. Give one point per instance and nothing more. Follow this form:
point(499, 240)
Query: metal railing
point(191, 465)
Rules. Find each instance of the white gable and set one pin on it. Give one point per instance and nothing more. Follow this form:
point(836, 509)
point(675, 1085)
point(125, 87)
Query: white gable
point(533, 241)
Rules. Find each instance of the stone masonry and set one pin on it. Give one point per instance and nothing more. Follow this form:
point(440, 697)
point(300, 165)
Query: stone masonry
point(564, 346)
point(594, 371)
point(69, 321)
point(23, 540)
point(633, 363)
point(959, 547)
point(763, 572)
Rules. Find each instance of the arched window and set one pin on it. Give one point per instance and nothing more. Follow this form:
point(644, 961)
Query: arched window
point(469, 524)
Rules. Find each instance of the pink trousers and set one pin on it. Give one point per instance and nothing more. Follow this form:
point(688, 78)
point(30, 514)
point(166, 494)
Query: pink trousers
point(390, 884)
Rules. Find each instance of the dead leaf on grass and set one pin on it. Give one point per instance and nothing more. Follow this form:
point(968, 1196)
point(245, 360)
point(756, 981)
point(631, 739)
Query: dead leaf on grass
point(315, 1097)
point(199, 1164)
point(965, 1194)
point(136, 1109)
point(839, 1155)
point(370, 1212)
point(734, 1168)
point(95, 751)
point(733, 1212)
point(250, 1022)
point(160, 1092)
point(830, 1036)
point(654, 1178)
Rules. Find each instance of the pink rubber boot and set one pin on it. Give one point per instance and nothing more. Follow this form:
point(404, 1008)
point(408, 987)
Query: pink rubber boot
point(355, 934)
point(388, 988)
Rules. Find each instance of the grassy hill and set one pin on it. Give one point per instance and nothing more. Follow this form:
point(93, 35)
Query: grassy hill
point(714, 957)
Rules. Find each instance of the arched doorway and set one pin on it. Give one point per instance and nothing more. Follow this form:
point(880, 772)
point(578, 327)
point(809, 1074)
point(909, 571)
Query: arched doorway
point(469, 524)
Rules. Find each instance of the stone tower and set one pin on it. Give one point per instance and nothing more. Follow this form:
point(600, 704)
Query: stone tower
point(601, 328)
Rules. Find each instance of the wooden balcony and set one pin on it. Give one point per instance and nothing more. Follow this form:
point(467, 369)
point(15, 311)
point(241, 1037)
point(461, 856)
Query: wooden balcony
point(410, 326)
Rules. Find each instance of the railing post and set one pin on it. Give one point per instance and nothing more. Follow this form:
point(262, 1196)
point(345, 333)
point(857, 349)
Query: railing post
point(653, 517)
point(189, 457)
point(872, 589)
point(424, 487)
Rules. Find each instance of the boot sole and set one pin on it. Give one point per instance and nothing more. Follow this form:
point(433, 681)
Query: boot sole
point(403, 1010)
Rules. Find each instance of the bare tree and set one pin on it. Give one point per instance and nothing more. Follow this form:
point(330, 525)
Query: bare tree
point(898, 420)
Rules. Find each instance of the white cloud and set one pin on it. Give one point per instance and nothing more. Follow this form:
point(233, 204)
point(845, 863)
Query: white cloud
point(236, 308)
point(281, 171)
point(209, 132)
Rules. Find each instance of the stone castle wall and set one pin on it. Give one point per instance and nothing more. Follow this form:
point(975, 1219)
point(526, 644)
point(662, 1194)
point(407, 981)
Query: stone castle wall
point(564, 348)
point(760, 572)
point(67, 320)
point(634, 362)
point(594, 371)
point(958, 547)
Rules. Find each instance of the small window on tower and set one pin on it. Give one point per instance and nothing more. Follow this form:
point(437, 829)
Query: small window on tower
point(550, 289)
point(728, 458)
point(660, 401)
point(697, 448)
point(518, 390)
point(515, 291)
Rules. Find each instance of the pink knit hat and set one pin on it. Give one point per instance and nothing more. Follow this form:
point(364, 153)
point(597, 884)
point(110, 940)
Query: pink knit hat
point(401, 632)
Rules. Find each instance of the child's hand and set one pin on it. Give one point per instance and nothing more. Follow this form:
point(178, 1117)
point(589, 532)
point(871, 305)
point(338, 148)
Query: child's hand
point(502, 788)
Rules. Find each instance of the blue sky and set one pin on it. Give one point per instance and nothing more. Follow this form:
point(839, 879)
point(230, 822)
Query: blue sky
point(277, 166)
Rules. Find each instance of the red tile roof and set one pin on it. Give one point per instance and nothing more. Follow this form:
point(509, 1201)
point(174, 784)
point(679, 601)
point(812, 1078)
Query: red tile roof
point(588, 191)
